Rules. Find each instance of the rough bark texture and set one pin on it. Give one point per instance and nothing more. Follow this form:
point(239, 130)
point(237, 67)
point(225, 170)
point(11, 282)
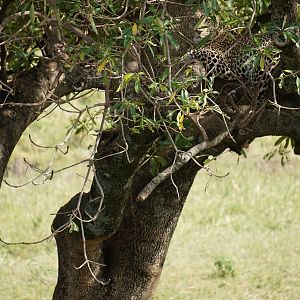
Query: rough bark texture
point(133, 250)
point(134, 255)
point(32, 92)
point(131, 239)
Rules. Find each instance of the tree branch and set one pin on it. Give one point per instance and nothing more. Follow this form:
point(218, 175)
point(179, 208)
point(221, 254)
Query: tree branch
point(183, 159)
point(78, 32)
point(270, 123)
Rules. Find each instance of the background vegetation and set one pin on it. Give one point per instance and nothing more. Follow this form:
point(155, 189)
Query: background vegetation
point(237, 240)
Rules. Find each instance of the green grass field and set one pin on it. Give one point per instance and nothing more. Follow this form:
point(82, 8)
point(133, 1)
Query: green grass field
point(237, 240)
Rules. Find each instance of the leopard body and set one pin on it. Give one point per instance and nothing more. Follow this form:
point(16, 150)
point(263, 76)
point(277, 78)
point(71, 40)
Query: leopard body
point(236, 57)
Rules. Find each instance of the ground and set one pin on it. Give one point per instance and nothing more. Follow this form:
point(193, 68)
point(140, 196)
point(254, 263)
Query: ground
point(237, 240)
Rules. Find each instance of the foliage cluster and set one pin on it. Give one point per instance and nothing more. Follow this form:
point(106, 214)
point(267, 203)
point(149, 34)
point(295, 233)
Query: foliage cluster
point(107, 34)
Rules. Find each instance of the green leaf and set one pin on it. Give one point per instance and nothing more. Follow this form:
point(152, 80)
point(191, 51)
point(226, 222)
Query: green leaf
point(92, 22)
point(73, 227)
point(165, 143)
point(102, 65)
point(24, 7)
point(135, 130)
point(257, 41)
point(119, 107)
point(292, 36)
point(298, 85)
point(287, 141)
point(283, 160)
point(162, 161)
point(262, 62)
point(127, 34)
point(244, 153)
point(134, 29)
point(292, 143)
point(256, 62)
point(137, 84)
point(133, 113)
point(153, 167)
point(32, 13)
point(231, 22)
point(159, 23)
point(201, 23)
point(184, 95)
point(151, 124)
point(269, 155)
point(81, 55)
point(172, 41)
point(126, 79)
point(209, 159)
point(205, 8)
point(215, 5)
point(288, 71)
point(183, 142)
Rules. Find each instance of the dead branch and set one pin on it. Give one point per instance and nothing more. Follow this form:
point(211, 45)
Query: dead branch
point(183, 158)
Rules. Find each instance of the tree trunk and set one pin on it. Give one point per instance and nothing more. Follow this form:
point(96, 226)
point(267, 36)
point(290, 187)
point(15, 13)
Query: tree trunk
point(32, 92)
point(129, 239)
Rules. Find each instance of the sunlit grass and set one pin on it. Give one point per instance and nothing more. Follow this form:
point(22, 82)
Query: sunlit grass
point(29, 271)
point(251, 218)
point(247, 224)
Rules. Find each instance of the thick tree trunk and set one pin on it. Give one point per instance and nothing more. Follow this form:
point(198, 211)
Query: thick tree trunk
point(133, 257)
point(129, 239)
point(33, 90)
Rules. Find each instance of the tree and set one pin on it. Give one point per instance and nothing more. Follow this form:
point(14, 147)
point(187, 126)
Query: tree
point(166, 118)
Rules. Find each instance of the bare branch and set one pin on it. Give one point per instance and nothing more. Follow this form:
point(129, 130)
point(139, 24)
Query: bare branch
point(79, 33)
point(183, 159)
point(9, 19)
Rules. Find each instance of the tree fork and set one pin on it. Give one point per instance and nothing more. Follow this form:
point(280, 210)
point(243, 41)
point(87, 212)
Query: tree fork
point(129, 243)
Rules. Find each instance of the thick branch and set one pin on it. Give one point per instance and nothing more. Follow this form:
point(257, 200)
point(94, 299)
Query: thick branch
point(34, 88)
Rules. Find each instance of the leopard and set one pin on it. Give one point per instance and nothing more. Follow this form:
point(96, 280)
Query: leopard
point(250, 59)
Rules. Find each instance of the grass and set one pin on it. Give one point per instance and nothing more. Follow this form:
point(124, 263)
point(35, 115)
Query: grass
point(237, 240)
point(247, 224)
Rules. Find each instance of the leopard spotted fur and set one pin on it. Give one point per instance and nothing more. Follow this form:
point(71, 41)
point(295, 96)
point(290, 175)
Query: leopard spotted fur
point(232, 56)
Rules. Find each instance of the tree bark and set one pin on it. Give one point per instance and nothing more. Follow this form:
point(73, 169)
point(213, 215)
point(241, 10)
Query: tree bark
point(133, 257)
point(129, 239)
point(33, 90)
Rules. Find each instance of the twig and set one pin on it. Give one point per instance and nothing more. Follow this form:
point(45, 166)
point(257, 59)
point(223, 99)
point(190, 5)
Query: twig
point(9, 19)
